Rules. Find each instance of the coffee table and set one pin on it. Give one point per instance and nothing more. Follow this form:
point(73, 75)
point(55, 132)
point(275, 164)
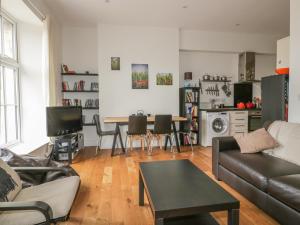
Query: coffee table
point(181, 194)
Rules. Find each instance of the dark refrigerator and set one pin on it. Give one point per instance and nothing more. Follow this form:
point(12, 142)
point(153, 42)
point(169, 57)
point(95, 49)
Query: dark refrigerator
point(274, 95)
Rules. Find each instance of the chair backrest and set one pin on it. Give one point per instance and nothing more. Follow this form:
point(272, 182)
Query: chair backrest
point(96, 119)
point(163, 124)
point(137, 125)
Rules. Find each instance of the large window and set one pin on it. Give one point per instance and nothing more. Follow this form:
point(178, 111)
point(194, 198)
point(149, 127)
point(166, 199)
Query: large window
point(9, 88)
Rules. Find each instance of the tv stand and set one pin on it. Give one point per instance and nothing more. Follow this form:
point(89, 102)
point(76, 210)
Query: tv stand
point(66, 148)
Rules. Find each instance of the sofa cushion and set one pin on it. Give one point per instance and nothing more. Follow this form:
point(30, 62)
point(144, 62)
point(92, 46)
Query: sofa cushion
point(286, 189)
point(288, 136)
point(58, 194)
point(256, 168)
point(255, 141)
point(10, 182)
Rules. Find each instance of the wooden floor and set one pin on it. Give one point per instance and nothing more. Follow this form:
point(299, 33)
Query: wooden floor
point(109, 189)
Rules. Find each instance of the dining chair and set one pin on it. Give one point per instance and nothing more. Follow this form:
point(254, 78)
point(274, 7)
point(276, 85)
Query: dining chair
point(100, 132)
point(162, 127)
point(137, 130)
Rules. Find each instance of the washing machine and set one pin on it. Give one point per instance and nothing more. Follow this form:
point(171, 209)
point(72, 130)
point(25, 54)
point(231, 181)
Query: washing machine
point(214, 124)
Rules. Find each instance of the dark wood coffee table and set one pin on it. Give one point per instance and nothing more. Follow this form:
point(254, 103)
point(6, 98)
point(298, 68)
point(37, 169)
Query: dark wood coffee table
point(180, 193)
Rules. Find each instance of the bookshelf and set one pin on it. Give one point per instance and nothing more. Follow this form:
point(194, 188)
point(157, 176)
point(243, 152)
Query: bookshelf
point(189, 98)
point(81, 89)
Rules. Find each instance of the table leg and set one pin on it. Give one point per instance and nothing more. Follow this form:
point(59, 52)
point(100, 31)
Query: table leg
point(159, 221)
point(233, 217)
point(176, 138)
point(141, 190)
point(166, 142)
point(120, 138)
point(114, 140)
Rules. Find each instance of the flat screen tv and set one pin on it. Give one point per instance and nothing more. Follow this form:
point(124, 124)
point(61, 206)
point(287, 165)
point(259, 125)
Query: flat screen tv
point(63, 120)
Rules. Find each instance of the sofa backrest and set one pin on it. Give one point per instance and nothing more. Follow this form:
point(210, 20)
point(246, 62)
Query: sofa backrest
point(288, 136)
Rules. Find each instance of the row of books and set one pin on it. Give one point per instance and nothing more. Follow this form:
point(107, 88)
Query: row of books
point(194, 125)
point(192, 110)
point(79, 86)
point(191, 96)
point(89, 103)
point(186, 140)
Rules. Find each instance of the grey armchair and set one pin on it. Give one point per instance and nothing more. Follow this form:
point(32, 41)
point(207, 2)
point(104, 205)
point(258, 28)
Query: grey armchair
point(46, 203)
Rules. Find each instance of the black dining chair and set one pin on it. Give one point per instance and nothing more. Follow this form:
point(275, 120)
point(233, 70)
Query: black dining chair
point(100, 132)
point(162, 127)
point(137, 130)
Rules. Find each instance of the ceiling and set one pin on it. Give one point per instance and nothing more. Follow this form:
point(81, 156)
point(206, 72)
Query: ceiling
point(20, 11)
point(250, 16)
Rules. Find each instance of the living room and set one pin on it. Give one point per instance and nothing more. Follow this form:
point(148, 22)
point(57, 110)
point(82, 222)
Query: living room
point(107, 99)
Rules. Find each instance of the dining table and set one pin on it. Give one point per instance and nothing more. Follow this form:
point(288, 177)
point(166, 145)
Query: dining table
point(124, 120)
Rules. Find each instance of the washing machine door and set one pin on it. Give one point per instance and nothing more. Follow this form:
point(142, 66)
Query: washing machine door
point(219, 125)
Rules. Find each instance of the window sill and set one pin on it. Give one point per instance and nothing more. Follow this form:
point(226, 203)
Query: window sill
point(25, 148)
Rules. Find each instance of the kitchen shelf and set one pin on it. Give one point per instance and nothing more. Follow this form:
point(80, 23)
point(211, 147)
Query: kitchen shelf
point(72, 91)
point(217, 81)
point(80, 74)
point(90, 108)
point(89, 124)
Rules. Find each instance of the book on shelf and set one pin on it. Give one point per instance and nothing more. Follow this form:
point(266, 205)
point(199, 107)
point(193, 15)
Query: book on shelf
point(92, 103)
point(194, 125)
point(191, 96)
point(70, 102)
point(192, 110)
point(65, 86)
point(79, 86)
point(186, 140)
point(94, 86)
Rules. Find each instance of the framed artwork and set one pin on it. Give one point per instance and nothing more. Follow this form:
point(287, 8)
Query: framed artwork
point(115, 63)
point(164, 79)
point(139, 76)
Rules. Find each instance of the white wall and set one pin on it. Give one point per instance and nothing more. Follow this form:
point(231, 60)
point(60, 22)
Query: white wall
point(294, 84)
point(227, 42)
point(33, 113)
point(157, 47)
point(213, 63)
point(80, 53)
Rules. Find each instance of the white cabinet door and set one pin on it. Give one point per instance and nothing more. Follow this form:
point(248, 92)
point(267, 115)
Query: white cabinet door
point(283, 53)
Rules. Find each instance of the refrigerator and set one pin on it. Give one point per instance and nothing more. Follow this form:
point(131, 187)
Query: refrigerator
point(274, 95)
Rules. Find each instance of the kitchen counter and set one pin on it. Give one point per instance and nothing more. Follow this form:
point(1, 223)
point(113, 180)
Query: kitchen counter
point(228, 109)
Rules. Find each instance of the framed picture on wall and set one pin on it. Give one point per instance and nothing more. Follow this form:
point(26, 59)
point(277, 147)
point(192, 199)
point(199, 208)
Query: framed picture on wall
point(115, 63)
point(139, 76)
point(164, 79)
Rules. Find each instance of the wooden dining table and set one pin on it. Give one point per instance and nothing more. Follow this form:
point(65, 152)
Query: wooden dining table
point(124, 120)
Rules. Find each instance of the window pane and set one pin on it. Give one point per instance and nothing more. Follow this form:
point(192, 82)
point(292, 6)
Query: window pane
point(2, 126)
point(8, 36)
point(0, 35)
point(1, 87)
point(9, 86)
point(11, 123)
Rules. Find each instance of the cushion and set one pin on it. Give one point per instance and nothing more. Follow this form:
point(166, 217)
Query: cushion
point(256, 168)
point(59, 194)
point(10, 182)
point(288, 136)
point(255, 141)
point(286, 189)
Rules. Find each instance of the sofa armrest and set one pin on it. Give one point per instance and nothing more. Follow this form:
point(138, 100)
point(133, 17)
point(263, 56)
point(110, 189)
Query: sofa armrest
point(40, 169)
point(39, 206)
point(221, 144)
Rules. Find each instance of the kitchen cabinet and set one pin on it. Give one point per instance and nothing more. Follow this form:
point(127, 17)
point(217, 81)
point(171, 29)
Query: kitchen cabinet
point(283, 53)
point(238, 122)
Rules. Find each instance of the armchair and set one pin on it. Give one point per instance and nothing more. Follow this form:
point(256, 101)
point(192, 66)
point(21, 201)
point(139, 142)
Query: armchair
point(46, 203)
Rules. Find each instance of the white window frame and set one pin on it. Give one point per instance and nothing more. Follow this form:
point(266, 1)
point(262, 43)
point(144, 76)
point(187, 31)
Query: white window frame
point(13, 64)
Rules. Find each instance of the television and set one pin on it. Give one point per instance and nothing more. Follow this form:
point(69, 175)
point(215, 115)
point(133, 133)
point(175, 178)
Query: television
point(63, 120)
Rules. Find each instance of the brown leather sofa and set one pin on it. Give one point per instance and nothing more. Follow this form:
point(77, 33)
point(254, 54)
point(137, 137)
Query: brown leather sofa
point(271, 183)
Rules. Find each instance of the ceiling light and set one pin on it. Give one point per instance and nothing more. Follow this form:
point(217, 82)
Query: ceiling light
point(107, 1)
point(185, 7)
point(237, 24)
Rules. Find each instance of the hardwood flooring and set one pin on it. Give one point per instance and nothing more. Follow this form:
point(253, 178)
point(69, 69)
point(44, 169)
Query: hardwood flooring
point(109, 189)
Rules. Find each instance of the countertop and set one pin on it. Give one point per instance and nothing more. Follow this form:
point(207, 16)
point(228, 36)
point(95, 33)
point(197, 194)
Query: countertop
point(228, 109)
